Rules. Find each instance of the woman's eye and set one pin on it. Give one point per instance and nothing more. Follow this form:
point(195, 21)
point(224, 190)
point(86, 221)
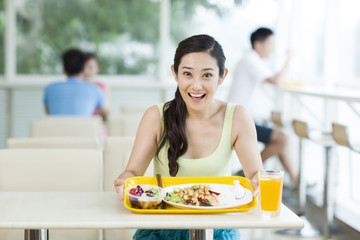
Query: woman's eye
point(187, 74)
point(207, 75)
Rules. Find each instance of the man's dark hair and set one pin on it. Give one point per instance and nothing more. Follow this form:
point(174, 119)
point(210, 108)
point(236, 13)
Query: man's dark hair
point(73, 61)
point(260, 35)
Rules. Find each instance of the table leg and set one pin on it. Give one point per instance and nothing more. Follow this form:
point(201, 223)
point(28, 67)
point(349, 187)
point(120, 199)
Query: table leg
point(328, 194)
point(200, 234)
point(36, 234)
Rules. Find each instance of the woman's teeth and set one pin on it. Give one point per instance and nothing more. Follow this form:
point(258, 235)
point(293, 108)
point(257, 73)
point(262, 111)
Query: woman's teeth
point(197, 95)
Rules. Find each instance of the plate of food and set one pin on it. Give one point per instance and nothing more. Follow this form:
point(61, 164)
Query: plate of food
point(207, 196)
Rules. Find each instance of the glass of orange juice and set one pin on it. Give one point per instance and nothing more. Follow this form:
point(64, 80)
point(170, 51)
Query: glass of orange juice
point(271, 185)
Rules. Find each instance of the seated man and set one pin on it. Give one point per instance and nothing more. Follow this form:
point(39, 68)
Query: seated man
point(75, 96)
point(249, 74)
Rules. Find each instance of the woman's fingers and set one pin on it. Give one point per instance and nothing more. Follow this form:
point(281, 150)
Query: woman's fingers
point(256, 192)
point(255, 184)
point(119, 187)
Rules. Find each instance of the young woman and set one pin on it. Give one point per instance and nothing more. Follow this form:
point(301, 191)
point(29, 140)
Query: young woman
point(194, 134)
point(91, 69)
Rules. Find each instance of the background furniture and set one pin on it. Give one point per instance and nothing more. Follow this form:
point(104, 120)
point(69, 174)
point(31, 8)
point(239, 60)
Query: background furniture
point(116, 155)
point(51, 126)
point(123, 125)
point(53, 142)
point(48, 170)
point(325, 140)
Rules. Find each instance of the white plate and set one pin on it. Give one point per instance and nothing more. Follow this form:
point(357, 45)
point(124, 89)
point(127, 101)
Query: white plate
point(248, 197)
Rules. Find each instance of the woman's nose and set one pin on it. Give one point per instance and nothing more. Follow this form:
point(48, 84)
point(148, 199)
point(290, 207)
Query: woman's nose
point(196, 84)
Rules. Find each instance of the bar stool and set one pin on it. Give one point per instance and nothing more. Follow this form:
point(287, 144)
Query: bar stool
point(276, 119)
point(341, 137)
point(324, 139)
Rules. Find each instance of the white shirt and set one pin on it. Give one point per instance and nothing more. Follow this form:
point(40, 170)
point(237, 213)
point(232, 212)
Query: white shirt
point(250, 73)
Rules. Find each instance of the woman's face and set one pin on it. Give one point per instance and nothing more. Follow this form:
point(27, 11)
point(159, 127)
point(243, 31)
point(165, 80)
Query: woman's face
point(198, 78)
point(91, 68)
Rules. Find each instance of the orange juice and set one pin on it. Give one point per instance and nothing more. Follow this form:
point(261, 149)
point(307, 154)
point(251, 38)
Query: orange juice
point(270, 193)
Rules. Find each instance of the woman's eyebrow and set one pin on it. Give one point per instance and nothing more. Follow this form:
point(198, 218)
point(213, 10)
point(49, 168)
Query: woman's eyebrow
point(204, 69)
point(187, 67)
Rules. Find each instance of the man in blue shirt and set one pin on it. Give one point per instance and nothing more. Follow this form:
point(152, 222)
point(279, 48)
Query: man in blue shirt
point(75, 96)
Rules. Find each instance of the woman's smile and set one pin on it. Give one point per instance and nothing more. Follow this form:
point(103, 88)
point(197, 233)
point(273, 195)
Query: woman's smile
point(197, 97)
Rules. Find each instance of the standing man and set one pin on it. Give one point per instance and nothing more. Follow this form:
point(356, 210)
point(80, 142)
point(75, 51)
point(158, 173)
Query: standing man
point(75, 96)
point(250, 73)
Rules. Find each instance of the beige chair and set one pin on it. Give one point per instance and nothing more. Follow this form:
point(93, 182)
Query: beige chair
point(62, 142)
point(341, 137)
point(134, 109)
point(66, 126)
point(123, 125)
point(51, 170)
point(116, 154)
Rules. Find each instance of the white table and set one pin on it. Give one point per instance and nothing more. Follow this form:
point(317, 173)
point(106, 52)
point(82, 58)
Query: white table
point(347, 95)
point(342, 94)
point(74, 210)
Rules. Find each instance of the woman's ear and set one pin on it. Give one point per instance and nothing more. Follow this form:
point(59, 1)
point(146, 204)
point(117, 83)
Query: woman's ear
point(173, 72)
point(222, 78)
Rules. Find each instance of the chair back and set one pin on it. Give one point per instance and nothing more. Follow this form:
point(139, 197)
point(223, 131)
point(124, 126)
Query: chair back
point(123, 125)
point(133, 109)
point(116, 155)
point(340, 135)
point(276, 119)
point(62, 142)
point(117, 151)
point(51, 170)
point(66, 126)
point(300, 128)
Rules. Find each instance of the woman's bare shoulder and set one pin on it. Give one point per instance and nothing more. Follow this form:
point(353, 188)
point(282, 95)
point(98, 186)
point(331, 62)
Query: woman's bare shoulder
point(152, 114)
point(240, 111)
point(241, 118)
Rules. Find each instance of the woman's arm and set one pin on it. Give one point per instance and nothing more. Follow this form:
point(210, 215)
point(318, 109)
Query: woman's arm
point(146, 142)
point(245, 144)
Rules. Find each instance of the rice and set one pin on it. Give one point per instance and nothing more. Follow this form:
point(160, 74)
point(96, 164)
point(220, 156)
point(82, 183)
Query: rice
point(225, 198)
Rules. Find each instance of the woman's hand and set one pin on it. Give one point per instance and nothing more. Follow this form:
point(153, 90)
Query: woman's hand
point(119, 187)
point(255, 184)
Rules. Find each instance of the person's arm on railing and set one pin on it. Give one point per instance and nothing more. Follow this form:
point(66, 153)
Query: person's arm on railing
point(276, 79)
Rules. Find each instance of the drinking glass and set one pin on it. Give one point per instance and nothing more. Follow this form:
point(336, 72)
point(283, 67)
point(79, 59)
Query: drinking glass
point(271, 185)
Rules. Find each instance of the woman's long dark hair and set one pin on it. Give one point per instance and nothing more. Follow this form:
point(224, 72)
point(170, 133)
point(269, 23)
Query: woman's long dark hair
point(175, 111)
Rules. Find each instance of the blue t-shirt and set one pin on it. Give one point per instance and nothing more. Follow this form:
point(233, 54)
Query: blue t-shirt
point(73, 97)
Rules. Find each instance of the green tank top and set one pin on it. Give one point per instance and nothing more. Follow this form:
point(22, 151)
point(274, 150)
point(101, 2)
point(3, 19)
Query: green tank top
point(216, 164)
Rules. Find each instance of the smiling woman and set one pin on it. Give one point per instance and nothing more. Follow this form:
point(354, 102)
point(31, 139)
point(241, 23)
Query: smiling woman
point(194, 134)
point(201, 81)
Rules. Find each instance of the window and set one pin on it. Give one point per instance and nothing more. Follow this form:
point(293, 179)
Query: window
point(349, 34)
point(2, 31)
point(229, 22)
point(124, 43)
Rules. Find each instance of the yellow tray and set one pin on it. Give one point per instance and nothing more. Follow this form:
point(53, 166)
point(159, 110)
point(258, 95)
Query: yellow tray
point(170, 181)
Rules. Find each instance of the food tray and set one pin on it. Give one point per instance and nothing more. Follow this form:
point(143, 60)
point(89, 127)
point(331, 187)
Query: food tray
point(169, 181)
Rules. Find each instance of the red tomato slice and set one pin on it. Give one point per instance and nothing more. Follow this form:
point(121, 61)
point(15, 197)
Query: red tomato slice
point(133, 191)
